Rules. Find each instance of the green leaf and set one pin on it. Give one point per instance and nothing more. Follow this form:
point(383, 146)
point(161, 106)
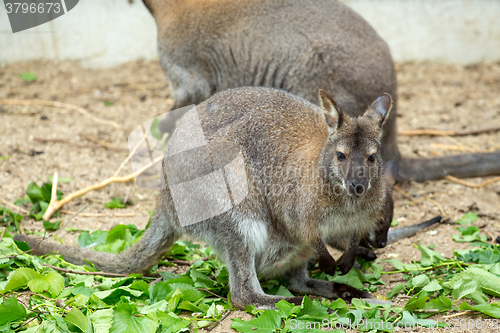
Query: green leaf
point(432, 286)
point(11, 310)
point(52, 282)
point(21, 277)
point(85, 239)
point(28, 76)
point(115, 203)
point(126, 319)
point(155, 129)
point(51, 226)
point(492, 310)
point(77, 318)
point(410, 320)
point(416, 302)
point(108, 103)
point(171, 323)
point(419, 281)
point(396, 289)
point(430, 257)
point(101, 320)
point(268, 321)
point(467, 218)
point(394, 223)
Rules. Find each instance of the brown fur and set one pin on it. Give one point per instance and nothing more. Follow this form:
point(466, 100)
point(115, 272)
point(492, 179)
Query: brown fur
point(296, 192)
point(207, 46)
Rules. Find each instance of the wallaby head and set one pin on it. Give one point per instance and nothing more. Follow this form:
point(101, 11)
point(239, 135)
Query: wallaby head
point(353, 157)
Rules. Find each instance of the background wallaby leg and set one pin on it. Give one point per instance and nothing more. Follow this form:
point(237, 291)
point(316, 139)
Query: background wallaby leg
point(300, 282)
point(347, 259)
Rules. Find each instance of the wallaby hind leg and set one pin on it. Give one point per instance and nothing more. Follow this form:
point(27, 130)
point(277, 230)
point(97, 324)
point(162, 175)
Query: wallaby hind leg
point(244, 284)
point(139, 259)
point(300, 282)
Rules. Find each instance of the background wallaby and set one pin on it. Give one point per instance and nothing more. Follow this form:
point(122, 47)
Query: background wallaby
point(299, 46)
point(327, 163)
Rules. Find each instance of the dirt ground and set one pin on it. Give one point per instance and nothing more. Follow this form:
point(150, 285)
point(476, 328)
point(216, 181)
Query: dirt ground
point(444, 97)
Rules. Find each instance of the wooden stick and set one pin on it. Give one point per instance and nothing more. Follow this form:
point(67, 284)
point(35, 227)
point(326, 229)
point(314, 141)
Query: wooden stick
point(77, 108)
point(81, 145)
point(22, 210)
point(53, 207)
point(434, 132)
point(458, 314)
point(105, 144)
point(214, 325)
point(465, 183)
point(93, 273)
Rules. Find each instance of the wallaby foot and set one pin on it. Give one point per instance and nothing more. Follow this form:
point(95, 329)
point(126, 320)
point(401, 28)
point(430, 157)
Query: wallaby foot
point(300, 282)
point(366, 254)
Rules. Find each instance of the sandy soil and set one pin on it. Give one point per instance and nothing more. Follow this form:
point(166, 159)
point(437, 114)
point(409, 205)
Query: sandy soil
point(445, 97)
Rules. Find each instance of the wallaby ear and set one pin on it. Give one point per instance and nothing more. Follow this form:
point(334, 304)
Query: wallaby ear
point(390, 173)
point(333, 115)
point(380, 108)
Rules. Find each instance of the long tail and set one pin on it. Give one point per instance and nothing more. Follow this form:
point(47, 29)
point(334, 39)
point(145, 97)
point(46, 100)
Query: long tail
point(139, 259)
point(400, 233)
point(461, 166)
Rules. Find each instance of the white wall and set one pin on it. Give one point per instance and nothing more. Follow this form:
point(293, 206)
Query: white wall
point(110, 32)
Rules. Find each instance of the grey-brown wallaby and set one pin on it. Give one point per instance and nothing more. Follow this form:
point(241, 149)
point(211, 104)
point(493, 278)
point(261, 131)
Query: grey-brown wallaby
point(296, 45)
point(306, 173)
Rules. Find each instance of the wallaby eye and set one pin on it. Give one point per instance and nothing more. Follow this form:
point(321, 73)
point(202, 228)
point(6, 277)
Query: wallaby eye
point(340, 156)
point(372, 158)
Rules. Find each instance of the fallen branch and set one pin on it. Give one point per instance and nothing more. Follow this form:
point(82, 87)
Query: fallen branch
point(24, 211)
point(465, 183)
point(56, 204)
point(458, 314)
point(434, 132)
point(77, 108)
point(81, 145)
point(214, 325)
point(105, 144)
point(211, 293)
point(64, 270)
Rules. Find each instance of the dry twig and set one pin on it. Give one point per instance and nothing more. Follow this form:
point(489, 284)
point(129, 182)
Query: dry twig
point(82, 145)
point(84, 112)
point(457, 314)
point(434, 132)
point(64, 270)
point(465, 183)
point(214, 325)
point(56, 204)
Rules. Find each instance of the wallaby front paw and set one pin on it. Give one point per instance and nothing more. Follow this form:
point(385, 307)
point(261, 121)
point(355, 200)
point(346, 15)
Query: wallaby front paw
point(345, 264)
point(327, 264)
point(367, 254)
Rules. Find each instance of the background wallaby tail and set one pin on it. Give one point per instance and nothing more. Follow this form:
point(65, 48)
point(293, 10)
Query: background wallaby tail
point(146, 253)
point(461, 166)
point(400, 233)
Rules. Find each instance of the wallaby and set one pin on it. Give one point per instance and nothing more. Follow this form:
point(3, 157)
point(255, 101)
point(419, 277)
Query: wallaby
point(377, 237)
point(327, 165)
point(297, 45)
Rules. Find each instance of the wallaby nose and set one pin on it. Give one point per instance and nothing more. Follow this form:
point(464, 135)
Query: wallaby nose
point(383, 244)
point(357, 188)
